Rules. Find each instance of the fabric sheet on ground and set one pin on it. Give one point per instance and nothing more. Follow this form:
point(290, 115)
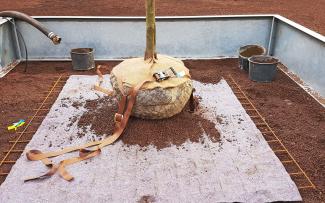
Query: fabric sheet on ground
point(240, 168)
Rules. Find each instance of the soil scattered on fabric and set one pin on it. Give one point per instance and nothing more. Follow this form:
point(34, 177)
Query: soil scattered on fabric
point(147, 199)
point(297, 118)
point(143, 132)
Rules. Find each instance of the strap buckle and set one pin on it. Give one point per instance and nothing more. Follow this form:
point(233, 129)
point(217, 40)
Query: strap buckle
point(160, 76)
point(164, 75)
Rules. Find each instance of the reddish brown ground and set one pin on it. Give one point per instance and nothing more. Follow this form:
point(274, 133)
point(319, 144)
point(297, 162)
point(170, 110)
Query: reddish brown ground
point(309, 13)
point(296, 117)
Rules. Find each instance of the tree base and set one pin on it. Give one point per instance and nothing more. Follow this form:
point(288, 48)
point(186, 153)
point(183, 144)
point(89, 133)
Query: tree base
point(156, 100)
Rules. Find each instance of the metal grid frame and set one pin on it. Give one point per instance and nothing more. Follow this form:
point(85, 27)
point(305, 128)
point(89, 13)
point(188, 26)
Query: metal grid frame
point(44, 106)
point(241, 96)
point(281, 149)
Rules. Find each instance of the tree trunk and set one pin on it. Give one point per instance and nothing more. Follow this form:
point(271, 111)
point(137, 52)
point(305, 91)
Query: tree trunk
point(151, 31)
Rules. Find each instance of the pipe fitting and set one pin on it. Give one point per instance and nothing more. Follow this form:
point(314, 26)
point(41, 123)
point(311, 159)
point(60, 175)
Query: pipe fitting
point(21, 16)
point(56, 39)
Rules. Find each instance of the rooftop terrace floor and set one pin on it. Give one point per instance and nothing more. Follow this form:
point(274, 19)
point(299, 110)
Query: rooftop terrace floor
point(297, 119)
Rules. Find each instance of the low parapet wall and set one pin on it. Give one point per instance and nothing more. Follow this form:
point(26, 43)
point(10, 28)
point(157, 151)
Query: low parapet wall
point(9, 47)
point(196, 37)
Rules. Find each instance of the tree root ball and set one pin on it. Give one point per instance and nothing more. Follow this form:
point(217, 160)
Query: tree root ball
point(155, 100)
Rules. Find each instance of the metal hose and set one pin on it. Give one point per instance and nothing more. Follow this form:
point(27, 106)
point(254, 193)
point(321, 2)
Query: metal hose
point(21, 16)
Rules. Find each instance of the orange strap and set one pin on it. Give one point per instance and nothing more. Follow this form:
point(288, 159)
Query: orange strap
point(121, 118)
point(98, 86)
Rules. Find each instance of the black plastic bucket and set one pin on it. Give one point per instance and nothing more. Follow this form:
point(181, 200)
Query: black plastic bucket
point(262, 68)
point(82, 58)
point(247, 51)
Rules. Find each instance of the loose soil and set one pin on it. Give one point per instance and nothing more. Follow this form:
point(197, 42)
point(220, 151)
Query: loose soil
point(176, 130)
point(251, 51)
point(82, 50)
point(297, 118)
point(308, 13)
point(264, 59)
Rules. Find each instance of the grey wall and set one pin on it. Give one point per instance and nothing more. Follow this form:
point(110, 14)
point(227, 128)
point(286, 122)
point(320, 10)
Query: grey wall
point(199, 37)
point(115, 38)
point(8, 51)
point(302, 54)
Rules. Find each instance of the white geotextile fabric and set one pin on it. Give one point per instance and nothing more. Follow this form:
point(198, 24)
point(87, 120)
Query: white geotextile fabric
point(240, 168)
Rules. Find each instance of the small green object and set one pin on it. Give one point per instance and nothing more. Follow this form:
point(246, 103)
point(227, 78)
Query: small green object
point(14, 126)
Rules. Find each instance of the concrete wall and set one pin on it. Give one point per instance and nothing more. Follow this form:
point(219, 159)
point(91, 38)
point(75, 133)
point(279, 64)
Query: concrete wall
point(9, 54)
point(117, 38)
point(302, 53)
point(198, 37)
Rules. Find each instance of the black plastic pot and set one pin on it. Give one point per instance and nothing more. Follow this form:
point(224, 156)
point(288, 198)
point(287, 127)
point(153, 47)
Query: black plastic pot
point(262, 68)
point(248, 51)
point(82, 58)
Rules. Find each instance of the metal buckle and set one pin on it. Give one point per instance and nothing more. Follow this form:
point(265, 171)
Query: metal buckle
point(160, 76)
point(164, 75)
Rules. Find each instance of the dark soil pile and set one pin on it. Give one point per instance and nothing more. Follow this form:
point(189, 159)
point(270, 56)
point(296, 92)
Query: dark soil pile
point(251, 51)
point(160, 133)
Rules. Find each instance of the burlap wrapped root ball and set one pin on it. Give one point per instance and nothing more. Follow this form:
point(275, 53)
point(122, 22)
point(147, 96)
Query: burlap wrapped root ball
point(155, 100)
